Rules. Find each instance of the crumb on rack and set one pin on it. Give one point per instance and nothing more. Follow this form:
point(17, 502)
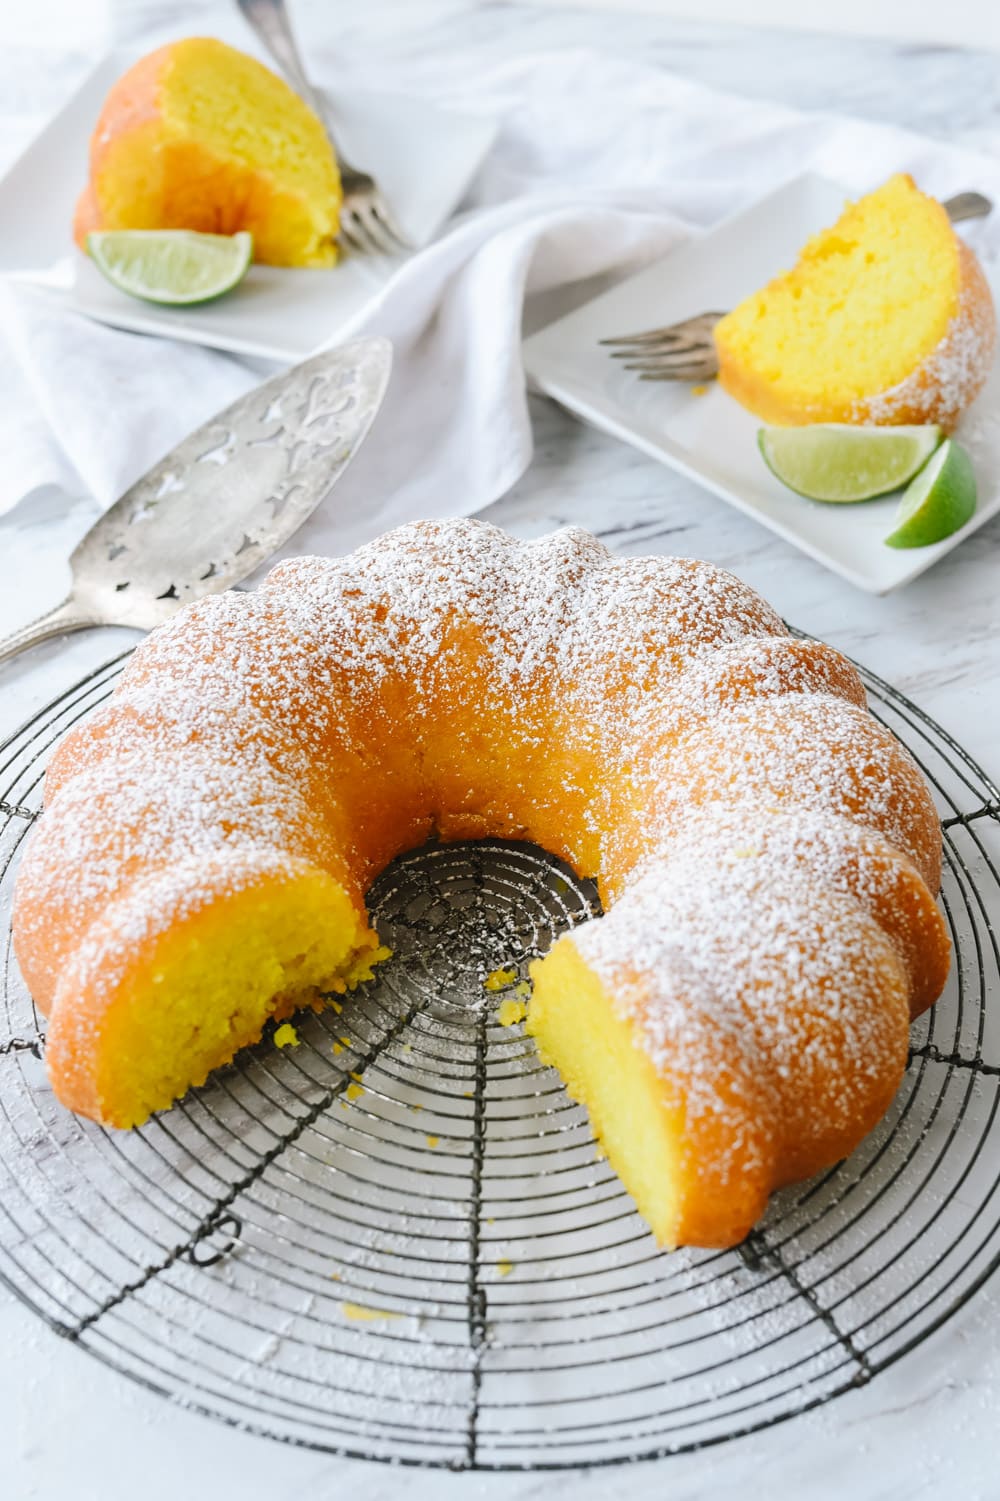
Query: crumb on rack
point(364, 1315)
point(500, 979)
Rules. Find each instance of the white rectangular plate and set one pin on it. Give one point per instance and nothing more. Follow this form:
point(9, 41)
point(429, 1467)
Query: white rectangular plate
point(423, 158)
point(710, 437)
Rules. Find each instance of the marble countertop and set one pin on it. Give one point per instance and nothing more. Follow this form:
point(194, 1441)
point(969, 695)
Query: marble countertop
point(927, 1426)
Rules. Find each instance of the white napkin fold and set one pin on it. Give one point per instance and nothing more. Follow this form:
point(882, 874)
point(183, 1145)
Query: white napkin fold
point(600, 166)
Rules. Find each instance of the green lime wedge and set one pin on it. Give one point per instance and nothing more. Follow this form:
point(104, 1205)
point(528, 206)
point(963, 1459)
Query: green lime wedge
point(177, 266)
point(837, 462)
point(939, 501)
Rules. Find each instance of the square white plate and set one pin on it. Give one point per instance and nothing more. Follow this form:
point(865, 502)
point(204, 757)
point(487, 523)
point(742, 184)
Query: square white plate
point(711, 437)
point(422, 156)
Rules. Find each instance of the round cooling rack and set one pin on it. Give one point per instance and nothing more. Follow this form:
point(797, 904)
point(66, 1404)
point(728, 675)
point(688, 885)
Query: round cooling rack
point(396, 1240)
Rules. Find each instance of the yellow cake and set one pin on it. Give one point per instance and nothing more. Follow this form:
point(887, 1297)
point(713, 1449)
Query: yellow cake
point(766, 851)
point(198, 135)
point(886, 318)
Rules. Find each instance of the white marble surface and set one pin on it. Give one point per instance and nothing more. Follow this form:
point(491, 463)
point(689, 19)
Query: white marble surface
point(925, 1428)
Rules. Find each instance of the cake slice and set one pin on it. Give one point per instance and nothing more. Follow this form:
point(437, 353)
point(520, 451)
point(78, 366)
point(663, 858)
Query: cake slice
point(198, 135)
point(886, 318)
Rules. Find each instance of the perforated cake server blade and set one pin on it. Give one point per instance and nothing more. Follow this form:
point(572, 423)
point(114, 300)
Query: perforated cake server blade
point(225, 498)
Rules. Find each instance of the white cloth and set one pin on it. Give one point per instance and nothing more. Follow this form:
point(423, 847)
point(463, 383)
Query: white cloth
point(600, 166)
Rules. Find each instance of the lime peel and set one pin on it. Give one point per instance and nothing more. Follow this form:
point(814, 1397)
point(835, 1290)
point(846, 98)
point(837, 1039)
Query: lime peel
point(177, 267)
point(840, 463)
point(940, 499)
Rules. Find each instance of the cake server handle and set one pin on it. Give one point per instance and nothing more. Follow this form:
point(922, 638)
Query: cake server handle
point(60, 621)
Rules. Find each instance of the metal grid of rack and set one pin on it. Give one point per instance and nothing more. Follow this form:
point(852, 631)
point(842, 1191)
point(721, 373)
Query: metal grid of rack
point(396, 1239)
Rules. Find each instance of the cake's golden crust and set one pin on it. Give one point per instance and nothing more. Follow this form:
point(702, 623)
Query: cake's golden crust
point(767, 852)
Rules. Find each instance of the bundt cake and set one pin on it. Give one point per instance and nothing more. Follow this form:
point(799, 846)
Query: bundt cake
point(767, 852)
point(886, 318)
point(198, 135)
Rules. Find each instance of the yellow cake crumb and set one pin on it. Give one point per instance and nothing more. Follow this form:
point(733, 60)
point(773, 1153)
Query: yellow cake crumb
point(500, 979)
point(504, 1268)
point(432, 1141)
point(354, 1091)
point(364, 1315)
point(337, 1049)
point(286, 1036)
point(511, 1012)
point(699, 390)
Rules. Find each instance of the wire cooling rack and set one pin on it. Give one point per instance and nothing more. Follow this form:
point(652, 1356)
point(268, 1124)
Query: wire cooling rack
point(397, 1241)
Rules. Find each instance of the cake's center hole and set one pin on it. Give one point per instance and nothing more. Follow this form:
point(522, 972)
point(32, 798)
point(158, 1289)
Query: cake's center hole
point(465, 920)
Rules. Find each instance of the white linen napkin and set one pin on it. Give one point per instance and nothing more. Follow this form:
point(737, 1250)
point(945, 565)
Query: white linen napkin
point(600, 165)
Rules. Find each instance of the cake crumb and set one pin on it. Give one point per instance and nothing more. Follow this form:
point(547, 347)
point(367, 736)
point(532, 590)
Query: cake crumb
point(432, 1141)
point(511, 1012)
point(500, 979)
point(286, 1036)
point(504, 1268)
point(364, 1315)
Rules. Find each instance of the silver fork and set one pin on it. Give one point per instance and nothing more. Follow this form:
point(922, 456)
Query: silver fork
point(367, 225)
point(686, 350)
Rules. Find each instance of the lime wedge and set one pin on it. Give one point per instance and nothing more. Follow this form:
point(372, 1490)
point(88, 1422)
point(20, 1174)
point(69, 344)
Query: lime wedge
point(177, 266)
point(834, 461)
point(939, 501)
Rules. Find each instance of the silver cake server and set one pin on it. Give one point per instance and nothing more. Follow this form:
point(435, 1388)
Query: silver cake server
point(224, 499)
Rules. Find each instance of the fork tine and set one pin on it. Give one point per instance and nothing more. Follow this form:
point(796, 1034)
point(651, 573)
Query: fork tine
point(672, 344)
point(346, 234)
point(699, 327)
point(355, 232)
point(374, 232)
point(385, 220)
point(651, 336)
point(669, 349)
point(696, 374)
point(696, 360)
point(676, 362)
point(676, 369)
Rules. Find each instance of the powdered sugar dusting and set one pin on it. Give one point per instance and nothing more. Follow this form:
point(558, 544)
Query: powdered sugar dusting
point(950, 378)
point(774, 945)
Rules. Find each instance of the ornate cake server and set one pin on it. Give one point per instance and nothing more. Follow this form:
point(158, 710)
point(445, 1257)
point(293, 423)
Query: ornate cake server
point(221, 502)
